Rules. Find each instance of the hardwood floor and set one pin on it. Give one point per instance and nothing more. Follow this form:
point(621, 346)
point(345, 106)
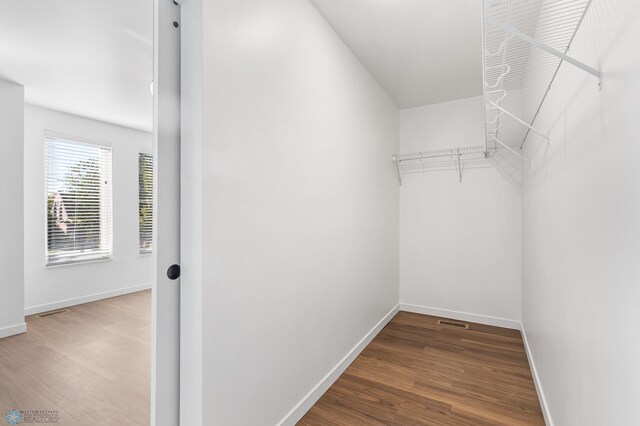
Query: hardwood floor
point(91, 364)
point(416, 372)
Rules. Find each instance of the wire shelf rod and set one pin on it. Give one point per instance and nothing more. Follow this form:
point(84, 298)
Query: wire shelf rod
point(513, 151)
point(532, 38)
point(548, 49)
point(444, 159)
point(555, 74)
point(524, 123)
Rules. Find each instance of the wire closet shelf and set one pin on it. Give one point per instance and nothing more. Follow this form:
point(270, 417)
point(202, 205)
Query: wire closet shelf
point(443, 159)
point(525, 42)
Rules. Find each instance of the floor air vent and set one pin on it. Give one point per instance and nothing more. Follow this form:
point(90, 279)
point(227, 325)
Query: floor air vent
point(48, 314)
point(453, 324)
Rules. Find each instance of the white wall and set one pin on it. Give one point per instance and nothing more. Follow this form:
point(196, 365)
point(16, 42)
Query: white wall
point(460, 243)
point(581, 229)
point(300, 207)
point(52, 287)
point(11, 213)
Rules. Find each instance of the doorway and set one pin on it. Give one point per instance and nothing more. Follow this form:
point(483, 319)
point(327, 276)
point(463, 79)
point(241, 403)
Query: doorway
point(84, 301)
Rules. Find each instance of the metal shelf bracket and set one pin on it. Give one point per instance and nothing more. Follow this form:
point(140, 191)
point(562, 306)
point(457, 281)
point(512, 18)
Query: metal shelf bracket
point(514, 31)
point(524, 123)
point(394, 158)
point(511, 150)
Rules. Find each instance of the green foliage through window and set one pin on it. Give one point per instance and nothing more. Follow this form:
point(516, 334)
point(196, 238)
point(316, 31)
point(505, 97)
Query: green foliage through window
point(145, 206)
point(78, 181)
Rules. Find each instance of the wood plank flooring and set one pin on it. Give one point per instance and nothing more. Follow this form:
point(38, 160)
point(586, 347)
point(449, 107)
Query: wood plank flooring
point(91, 364)
point(416, 372)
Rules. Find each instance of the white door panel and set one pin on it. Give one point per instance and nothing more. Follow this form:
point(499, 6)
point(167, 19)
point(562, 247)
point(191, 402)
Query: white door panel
point(166, 292)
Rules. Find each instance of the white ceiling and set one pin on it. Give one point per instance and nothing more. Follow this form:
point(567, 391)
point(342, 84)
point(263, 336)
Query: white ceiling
point(93, 58)
point(420, 51)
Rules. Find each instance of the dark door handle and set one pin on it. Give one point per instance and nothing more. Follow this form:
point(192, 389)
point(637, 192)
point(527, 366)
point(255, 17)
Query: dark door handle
point(173, 272)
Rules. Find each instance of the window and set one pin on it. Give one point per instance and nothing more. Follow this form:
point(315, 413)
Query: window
point(145, 204)
point(79, 201)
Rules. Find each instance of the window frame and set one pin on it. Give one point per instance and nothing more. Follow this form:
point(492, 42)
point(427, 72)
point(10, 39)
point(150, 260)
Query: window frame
point(81, 259)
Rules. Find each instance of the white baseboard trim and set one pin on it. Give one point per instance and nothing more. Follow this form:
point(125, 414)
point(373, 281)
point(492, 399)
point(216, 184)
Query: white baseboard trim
point(536, 380)
point(461, 316)
point(312, 397)
point(84, 299)
point(12, 330)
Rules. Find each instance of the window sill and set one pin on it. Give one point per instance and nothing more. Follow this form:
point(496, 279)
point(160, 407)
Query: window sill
point(78, 262)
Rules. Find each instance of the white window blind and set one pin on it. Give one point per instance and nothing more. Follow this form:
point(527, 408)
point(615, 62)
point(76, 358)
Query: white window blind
point(79, 201)
point(145, 205)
